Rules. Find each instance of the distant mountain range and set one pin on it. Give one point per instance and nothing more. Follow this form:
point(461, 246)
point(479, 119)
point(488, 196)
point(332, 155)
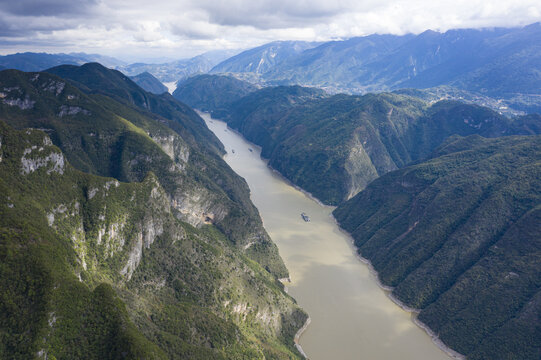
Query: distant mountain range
point(498, 63)
point(165, 72)
point(473, 59)
point(30, 61)
point(180, 69)
point(499, 67)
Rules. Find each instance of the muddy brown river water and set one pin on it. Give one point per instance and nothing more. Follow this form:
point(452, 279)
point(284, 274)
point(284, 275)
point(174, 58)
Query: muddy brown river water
point(351, 316)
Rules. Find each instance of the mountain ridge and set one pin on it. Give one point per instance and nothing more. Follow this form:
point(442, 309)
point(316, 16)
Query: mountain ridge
point(163, 242)
point(333, 146)
point(501, 63)
point(470, 269)
point(149, 83)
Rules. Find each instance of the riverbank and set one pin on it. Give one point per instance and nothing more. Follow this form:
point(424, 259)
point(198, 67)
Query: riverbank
point(350, 316)
point(298, 336)
point(276, 172)
point(389, 292)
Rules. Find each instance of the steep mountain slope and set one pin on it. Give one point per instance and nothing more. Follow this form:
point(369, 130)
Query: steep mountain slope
point(93, 133)
point(331, 64)
point(93, 78)
point(261, 59)
point(457, 237)
point(95, 268)
point(211, 92)
point(334, 146)
point(149, 83)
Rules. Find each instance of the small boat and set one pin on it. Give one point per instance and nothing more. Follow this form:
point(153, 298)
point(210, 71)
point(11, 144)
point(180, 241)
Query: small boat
point(305, 217)
point(251, 150)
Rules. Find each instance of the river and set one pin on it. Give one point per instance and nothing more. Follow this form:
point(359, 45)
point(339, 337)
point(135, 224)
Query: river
point(351, 316)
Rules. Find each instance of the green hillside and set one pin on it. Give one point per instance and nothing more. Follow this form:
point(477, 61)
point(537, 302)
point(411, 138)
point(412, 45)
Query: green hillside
point(211, 92)
point(94, 78)
point(457, 236)
point(149, 83)
point(334, 146)
point(150, 249)
point(105, 137)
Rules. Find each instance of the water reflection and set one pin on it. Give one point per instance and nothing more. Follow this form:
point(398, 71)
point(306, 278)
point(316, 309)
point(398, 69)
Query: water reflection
point(352, 318)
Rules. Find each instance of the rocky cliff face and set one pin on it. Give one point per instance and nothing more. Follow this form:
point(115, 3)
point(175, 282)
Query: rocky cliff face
point(110, 138)
point(145, 252)
point(189, 285)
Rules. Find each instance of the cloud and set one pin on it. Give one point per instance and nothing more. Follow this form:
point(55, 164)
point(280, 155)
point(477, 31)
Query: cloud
point(181, 28)
point(279, 14)
point(47, 7)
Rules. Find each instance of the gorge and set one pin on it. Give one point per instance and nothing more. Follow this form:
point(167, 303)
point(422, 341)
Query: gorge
point(351, 316)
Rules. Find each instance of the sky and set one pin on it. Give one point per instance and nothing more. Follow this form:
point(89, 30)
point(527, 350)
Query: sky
point(141, 30)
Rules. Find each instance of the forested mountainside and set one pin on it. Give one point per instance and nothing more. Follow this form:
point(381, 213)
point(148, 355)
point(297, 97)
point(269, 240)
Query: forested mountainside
point(211, 92)
point(457, 236)
point(149, 83)
point(95, 79)
point(183, 145)
point(333, 146)
point(148, 245)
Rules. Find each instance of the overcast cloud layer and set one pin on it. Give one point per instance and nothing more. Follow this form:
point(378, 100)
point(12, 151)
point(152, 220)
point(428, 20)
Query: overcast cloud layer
point(143, 29)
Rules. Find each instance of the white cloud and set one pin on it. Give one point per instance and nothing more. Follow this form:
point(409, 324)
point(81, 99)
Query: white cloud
point(184, 28)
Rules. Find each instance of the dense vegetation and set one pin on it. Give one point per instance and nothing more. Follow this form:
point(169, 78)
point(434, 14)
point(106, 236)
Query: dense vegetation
point(211, 92)
point(159, 265)
point(241, 223)
point(93, 78)
point(457, 236)
point(334, 146)
point(149, 83)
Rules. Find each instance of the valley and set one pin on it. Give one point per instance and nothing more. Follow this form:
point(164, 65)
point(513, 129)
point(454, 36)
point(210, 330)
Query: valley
point(270, 181)
point(405, 220)
point(351, 316)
